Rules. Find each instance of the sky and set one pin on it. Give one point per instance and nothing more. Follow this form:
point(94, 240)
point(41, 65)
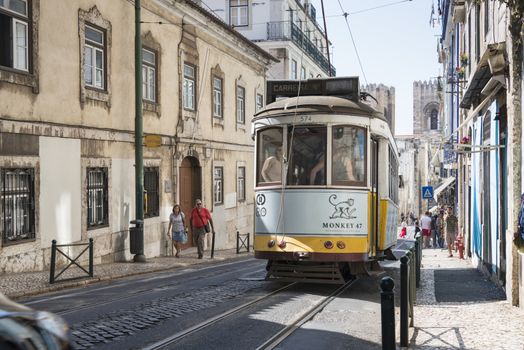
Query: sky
point(396, 45)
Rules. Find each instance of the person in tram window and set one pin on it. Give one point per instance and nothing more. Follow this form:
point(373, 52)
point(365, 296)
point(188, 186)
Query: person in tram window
point(272, 168)
point(317, 173)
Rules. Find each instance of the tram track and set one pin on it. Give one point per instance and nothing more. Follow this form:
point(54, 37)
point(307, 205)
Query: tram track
point(274, 340)
point(279, 337)
point(196, 328)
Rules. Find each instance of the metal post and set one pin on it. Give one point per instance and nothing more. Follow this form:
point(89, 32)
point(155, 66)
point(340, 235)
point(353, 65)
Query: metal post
point(238, 242)
point(387, 302)
point(90, 257)
point(139, 161)
point(418, 252)
point(404, 297)
point(213, 244)
point(53, 262)
point(248, 236)
point(412, 284)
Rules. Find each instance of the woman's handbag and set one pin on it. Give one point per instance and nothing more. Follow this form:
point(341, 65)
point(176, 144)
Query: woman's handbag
point(184, 237)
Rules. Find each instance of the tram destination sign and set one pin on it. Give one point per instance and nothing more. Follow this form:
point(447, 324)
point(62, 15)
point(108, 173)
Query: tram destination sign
point(345, 87)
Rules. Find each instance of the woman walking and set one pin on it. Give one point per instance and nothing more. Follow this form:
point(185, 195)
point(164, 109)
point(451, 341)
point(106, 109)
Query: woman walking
point(177, 224)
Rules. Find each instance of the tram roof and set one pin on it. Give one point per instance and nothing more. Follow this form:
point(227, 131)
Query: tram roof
point(316, 105)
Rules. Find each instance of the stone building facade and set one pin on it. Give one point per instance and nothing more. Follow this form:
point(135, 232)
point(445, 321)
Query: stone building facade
point(67, 125)
point(385, 99)
point(287, 29)
point(481, 54)
point(421, 154)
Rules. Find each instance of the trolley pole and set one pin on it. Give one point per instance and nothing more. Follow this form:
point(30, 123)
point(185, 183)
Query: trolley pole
point(137, 233)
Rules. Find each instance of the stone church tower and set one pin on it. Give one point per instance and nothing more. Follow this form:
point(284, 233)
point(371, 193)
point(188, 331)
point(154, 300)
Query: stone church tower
point(426, 108)
point(385, 101)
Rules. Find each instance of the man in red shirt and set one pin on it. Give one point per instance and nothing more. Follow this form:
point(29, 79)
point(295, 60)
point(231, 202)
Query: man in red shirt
point(198, 220)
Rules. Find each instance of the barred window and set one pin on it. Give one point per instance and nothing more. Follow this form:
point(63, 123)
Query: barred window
point(17, 219)
point(241, 184)
point(152, 199)
point(97, 195)
point(218, 187)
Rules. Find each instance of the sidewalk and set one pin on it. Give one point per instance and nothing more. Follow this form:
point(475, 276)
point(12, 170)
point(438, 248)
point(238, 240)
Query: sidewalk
point(459, 308)
point(18, 285)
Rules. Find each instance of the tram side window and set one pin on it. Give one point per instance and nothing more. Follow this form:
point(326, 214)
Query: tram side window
point(307, 161)
point(269, 156)
point(349, 156)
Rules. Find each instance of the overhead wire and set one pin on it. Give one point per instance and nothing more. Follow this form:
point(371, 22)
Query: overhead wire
point(345, 14)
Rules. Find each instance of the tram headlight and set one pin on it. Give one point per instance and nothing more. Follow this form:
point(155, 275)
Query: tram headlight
point(282, 244)
point(271, 243)
point(341, 245)
point(328, 244)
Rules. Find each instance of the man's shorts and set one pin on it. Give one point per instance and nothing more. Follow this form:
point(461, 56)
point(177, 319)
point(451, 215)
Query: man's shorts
point(426, 232)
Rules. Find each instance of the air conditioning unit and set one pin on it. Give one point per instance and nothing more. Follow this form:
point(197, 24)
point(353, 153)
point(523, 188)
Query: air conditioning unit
point(459, 12)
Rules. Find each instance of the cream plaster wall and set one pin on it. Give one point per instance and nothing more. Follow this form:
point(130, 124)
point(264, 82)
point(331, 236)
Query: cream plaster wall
point(60, 195)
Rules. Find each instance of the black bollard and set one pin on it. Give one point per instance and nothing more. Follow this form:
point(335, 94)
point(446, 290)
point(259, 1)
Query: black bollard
point(238, 242)
point(418, 258)
point(404, 297)
point(387, 302)
point(53, 262)
point(213, 244)
point(90, 257)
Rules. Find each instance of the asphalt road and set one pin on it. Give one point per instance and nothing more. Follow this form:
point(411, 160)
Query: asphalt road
point(136, 312)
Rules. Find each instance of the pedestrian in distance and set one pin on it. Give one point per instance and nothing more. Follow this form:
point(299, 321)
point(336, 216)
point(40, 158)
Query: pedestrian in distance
point(199, 220)
point(451, 227)
point(434, 233)
point(177, 229)
point(403, 230)
point(440, 229)
point(417, 229)
point(425, 224)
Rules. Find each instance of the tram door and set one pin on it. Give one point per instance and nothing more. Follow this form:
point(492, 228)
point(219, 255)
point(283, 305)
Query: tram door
point(190, 189)
point(373, 241)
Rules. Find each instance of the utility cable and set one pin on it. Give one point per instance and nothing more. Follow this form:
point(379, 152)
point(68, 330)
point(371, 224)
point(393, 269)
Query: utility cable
point(353, 41)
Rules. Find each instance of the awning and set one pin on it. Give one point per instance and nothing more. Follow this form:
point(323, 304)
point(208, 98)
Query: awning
point(443, 186)
point(433, 209)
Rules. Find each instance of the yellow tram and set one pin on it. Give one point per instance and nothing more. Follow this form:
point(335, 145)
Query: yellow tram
point(326, 175)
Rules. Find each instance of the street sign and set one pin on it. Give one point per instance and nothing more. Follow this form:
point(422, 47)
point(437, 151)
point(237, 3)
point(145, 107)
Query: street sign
point(427, 192)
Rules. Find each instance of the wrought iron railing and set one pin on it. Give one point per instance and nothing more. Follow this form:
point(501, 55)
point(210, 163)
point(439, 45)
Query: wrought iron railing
point(284, 30)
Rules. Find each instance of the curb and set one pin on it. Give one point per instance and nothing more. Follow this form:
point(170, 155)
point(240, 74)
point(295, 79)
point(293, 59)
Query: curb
point(79, 283)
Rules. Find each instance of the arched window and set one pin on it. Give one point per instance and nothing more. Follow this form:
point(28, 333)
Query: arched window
point(434, 120)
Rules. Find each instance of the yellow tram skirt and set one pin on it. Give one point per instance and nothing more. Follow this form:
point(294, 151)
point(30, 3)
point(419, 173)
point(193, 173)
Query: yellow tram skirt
point(312, 244)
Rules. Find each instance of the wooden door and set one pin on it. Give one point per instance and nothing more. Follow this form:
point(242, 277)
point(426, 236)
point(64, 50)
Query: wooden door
point(190, 190)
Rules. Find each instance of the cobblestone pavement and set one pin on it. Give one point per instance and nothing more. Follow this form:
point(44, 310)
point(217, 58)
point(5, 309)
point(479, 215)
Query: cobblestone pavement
point(486, 323)
point(18, 285)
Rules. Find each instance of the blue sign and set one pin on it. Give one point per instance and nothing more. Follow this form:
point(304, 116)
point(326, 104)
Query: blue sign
point(427, 192)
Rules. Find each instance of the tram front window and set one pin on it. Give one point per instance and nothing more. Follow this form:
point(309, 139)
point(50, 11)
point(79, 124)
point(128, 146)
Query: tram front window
point(270, 157)
point(349, 162)
point(307, 161)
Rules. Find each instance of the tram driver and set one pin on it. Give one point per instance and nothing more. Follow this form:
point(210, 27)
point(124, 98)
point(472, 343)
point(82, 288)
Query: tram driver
point(272, 168)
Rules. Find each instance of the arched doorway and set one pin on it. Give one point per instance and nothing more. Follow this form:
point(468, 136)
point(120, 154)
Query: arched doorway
point(190, 188)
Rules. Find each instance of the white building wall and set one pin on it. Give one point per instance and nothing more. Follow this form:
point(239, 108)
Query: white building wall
point(60, 196)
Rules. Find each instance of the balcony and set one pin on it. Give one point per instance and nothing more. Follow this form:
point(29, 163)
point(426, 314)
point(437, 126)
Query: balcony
point(286, 31)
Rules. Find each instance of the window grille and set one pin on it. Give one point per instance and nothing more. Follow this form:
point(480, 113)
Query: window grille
point(151, 187)
point(17, 205)
point(97, 195)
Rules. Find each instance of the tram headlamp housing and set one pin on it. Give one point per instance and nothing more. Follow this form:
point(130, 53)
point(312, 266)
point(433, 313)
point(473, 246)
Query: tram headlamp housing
point(282, 244)
point(271, 243)
point(341, 245)
point(328, 245)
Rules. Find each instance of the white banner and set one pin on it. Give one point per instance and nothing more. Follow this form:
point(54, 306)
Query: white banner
point(312, 212)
